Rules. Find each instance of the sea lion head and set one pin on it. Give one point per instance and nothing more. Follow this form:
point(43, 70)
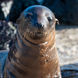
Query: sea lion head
point(36, 22)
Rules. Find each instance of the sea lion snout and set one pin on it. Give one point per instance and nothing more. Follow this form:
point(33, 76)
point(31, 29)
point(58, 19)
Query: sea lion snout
point(39, 25)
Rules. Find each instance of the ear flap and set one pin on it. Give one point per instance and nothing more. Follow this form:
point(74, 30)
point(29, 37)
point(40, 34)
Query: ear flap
point(57, 21)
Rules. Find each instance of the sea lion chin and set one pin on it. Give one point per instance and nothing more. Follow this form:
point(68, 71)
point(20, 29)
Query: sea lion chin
point(34, 54)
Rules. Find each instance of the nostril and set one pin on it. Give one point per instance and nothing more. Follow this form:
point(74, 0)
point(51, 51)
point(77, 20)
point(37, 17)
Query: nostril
point(39, 25)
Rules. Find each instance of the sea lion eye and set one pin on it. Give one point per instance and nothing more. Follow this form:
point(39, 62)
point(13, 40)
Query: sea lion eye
point(29, 15)
point(49, 19)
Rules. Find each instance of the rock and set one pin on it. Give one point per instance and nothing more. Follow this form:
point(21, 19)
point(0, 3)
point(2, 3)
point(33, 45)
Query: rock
point(6, 35)
point(70, 71)
point(1, 14)
point(66, 11)
point(40, 1)
point(5, 0)
point(17, 7)
point(57, 7)
point(6, 7)
point(71, 10)
point(3, 56)
point(61, 8)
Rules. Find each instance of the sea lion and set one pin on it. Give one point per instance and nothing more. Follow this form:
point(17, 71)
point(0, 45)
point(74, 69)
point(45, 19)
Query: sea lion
point(34, 53)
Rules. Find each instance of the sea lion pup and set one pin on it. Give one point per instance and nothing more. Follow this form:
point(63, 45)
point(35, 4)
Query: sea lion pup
point(34, 54)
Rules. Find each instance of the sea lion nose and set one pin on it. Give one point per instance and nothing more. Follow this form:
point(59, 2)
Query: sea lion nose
point(39, 25)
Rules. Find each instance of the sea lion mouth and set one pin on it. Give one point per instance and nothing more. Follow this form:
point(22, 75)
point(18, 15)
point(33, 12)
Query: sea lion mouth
point(34, 35)
point(37, 36)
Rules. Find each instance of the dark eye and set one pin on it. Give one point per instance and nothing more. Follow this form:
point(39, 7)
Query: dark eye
point(49, 19)
point(29, 15)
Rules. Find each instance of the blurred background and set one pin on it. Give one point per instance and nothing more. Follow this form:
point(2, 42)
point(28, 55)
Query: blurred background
point(66, 11)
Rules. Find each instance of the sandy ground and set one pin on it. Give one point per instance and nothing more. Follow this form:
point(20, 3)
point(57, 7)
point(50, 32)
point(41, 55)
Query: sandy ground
point(67, 44)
